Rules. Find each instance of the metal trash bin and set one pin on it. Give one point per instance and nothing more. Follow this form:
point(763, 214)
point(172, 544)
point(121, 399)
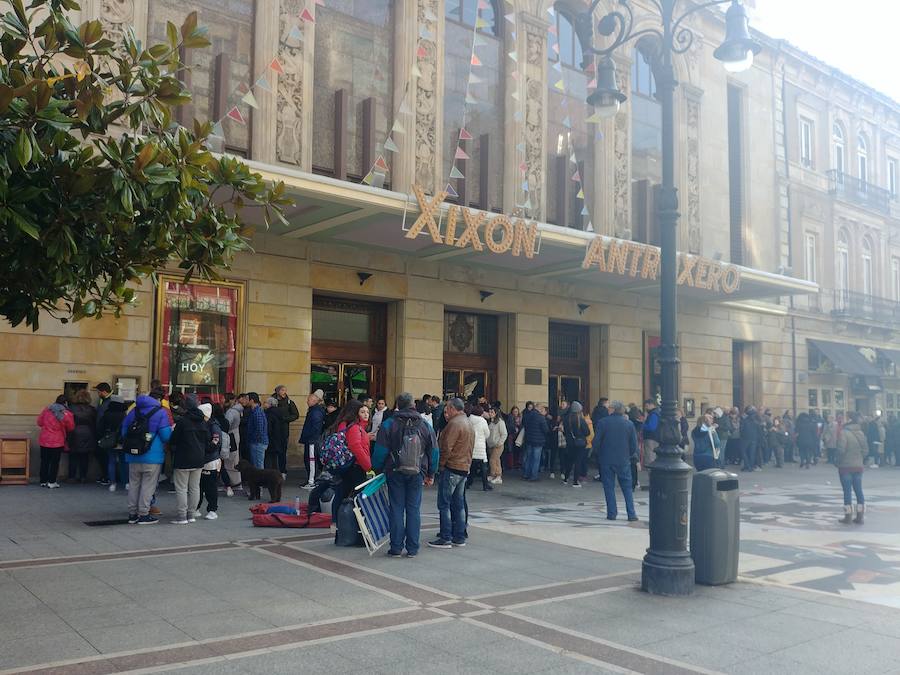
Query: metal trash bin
point(715, 527)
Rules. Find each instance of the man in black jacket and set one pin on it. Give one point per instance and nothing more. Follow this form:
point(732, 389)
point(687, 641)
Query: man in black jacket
point(190, 441)
point(311, 435)
point(286, 414)
point(615, 442)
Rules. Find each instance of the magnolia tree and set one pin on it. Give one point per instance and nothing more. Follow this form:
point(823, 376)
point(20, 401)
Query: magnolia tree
point(98, 186)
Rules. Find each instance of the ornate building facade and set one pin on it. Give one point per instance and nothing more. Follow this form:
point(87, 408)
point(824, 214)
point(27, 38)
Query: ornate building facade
point(465, 223)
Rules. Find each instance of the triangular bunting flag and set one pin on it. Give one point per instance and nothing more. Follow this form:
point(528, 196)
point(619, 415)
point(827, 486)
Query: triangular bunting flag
point(429, 15)
point(515, 75)
point(397, 128)
point(551, 11)
point(479, 41)
point(567, 123)
point(470, 100)
point(218, 130)
point(306, 15)
point(404, 106)
point(475, 60)
point(552, 30)
point(584, 211)
point(515, 96)
point(425, 34)
point(461, 154)
point(368, 179)
point(450, 191)
point(520, 147)
point(573, 159)
point(275, 65)
point(511, 17)
point(262, 83)
point(577, 176)
point(512, 34)
point(590, 67)
point(483, 4)
point(514, 56)
point(560, 85)
point(250, 100)
point(481, 23)
point(415, 71)
point(555, 48)
point(464, 135)
point(599, 136)
point(518, 116)
point(524, 186)
point(592, 83)
point(523, 167)
point(456, 173)
point(527, 204)
point(296, 33)
point(380, 163)
point(390, 146)
point(421, 53)
point(564, 103)
point(557, 66)
point(474, 79)
point(594, 119)
point(589, 227)
point(580, 194)
point(235, 115)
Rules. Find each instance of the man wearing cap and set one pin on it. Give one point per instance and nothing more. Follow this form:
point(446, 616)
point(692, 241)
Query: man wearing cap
point(104, 391)
point(310, 436)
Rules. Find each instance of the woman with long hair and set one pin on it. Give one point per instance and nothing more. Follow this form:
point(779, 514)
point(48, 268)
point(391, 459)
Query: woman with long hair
point(56, 422)
point(576, 432)
point(513, 427)
point(353, 422)
point(707, 445)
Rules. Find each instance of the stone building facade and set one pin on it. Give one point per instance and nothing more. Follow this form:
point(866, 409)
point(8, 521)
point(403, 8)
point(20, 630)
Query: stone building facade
point(367, 109)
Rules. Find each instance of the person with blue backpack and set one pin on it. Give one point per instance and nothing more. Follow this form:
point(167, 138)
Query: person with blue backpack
point(145, 431)
point(345, 452)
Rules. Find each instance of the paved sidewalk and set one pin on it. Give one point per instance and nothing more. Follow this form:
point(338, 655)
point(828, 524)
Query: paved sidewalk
point(223, 597)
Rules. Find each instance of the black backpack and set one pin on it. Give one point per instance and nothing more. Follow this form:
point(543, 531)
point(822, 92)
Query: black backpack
point(408, 459)
point(138, 438)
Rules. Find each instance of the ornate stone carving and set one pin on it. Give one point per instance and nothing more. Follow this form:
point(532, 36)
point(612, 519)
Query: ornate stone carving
point(289, 119)
point(693, 176)
point(622, 152)
point(534, 141)
point(116, 16)
point(426, 96)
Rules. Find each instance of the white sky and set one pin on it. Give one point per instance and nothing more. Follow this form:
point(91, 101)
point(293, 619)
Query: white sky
point(859, 37)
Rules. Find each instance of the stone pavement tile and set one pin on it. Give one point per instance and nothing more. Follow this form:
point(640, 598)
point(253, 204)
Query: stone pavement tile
point(15, 597)
point(32, 622)
point(325, 658)
point(193, 602)
point(454, 637)
point(851, 649)
point(513, 656)
point(757, 595)
point(575, 667)
point(292, 613)
point(219, 624)
point(138, 635)
point(772, 632)
point(779, 665)
point(705, 648)
point(106, 616)
point(25, 651)
point(848, 615)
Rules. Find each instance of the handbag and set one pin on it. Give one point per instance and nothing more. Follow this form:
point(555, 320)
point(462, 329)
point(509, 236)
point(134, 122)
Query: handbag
point(520, 438)
point(108, 440)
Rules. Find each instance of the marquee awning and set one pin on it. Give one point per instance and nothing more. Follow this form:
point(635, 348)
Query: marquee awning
point(892, 355)
point(847, 358)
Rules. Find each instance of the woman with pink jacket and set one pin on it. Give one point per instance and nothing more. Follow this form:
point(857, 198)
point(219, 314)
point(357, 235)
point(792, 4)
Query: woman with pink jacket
point(55, 422)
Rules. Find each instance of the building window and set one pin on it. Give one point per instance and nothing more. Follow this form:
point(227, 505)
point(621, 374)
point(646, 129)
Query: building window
point(892, 169)
point(806, 142)
point(736, 173)
point(842, 277)
point(199, 336)
point(839, 149)
point(810, 257)
point(862, 154)
point(466, 12)
point(570, 52)
point(895, 278)
point(868, 269)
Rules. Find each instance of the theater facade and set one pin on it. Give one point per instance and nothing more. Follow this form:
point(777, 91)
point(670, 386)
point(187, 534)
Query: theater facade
point(464, 223)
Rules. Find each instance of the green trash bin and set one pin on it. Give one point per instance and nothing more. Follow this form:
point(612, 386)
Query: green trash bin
point(715, 527)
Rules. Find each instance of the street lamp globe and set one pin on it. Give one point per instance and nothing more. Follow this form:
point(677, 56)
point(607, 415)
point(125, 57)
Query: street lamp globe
point(606, 97)
point(737, 51)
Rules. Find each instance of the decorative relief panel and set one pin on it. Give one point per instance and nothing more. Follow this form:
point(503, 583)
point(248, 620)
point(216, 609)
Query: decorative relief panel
point(693, 176)
point(535, 58)
point(116, 16)
point(289, 125)
point(622, 152)
point(426, 96)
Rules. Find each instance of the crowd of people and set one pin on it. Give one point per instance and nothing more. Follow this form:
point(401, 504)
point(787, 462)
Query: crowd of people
point(194, 444)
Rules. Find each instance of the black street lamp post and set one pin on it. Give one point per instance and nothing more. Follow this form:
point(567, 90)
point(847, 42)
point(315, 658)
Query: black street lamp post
point(667, 568)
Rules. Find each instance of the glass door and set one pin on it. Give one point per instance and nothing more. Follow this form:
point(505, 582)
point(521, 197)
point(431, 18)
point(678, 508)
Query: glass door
point(565, 388)
point(466, 383)
point(327, 377)
point(357, 379)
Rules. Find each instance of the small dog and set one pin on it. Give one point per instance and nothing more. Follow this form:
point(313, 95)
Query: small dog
point(253, 480)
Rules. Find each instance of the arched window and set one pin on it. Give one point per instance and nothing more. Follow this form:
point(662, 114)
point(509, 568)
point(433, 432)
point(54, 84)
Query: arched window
point(646, 147)
point(643, 83)
point(862, 154)
point(569, 44)
point(842, 273)
point(466, 13)
point(868, 268)
point(837, 139)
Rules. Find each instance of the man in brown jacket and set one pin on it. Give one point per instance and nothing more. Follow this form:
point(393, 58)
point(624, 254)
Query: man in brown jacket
point(456, 444)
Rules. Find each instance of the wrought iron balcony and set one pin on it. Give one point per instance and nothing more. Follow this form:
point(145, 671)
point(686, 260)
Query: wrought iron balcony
point(858, 191)
point(854, 305)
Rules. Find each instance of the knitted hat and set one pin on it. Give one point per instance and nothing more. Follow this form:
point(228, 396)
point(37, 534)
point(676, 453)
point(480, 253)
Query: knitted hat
point(206, 409)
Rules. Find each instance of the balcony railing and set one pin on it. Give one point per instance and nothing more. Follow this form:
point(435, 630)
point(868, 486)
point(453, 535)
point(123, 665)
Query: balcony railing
point(859, 191)
point(853, 305)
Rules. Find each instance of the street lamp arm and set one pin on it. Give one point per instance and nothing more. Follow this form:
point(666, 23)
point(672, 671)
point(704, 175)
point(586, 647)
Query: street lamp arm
point(682, 36)
point(624, 39)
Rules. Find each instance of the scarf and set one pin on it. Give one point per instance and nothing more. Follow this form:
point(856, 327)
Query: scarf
point(58, 410)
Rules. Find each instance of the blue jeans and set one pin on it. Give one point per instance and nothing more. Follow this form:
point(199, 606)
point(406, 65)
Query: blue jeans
point(852, 481)
point(405, 493)
point(702, 462)
point(609, 473)
point(116, 468)
point(748, 449)
point(258, 454)
point(532, 461)
point(451, 506)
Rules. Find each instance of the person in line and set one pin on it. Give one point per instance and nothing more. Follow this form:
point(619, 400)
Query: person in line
point(231, 477)
point(191, 439)
point(244, 445)
point(104, 392)
point(332, 411)
point(401, 433)
point(457, 443)
point(749, 438)
point(707, 444)
point(496, 443)
point(479, 452)
point(615, 442)
point(779, 440)
point(829, 437)
point(600, 411)
point(56, 422)
point(650, 429)
point(113, 414)
point(353, 422)
point(274, 427)
point(851, 459)
point(590, 440)
point(576, 432)
point(513, 454)
point(807, 439)
point(536, 428)
point(874, 435)
point(257, 433)
point(556, 454)
point(219, 447)
point(311, 434)
point(377, 416)
point(144, 469)
point(82, 440)
point(287, 414)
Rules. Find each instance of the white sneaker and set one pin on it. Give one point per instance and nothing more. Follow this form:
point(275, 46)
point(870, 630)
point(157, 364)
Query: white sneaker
point(52, 486)
point(212, 515)
point(552, 475)
point(284, 476)
point(180, 522)
point(229, 492)
point(43, 485)
point(112, 487)
point(498, 481)
point(308, 486)
point(127, 486)
point(195, 515)
point(192, 520)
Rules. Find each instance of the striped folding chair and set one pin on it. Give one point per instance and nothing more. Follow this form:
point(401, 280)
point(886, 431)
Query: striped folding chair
point(373, 512)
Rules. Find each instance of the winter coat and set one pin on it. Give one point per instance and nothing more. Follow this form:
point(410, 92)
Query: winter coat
point(498, 433)
point(513, 426)
point(535, 428)
point(480, 430)
point(159, 425)
point(706, 442)
point(615, 441)
point(286, 414)
point(456, 445)
point(54, 431)
point(807, 432)
point(190, 441)
point(313, 425)
point(576, 430)
point(278, 433)
point(599, 412)
point(83, 438)
point(112, 418)
point(829, 434)
point(233, 415)
point(390, 439)
point(651, 426)
point(358, 444)
point(257, 431)
point(852, 449)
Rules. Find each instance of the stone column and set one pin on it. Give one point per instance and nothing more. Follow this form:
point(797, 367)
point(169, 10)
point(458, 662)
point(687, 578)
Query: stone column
point(294, 88)
point(265, 119)
point(536, 103)
point(415, 347)
point(528, 338)
point(690, 198)
point(622, 155)
point(625, 363)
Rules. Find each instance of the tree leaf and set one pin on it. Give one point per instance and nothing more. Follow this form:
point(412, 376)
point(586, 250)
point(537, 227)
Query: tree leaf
point(23, 148)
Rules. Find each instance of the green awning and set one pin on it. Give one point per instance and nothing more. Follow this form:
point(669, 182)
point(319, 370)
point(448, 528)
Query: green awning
point(847, 358)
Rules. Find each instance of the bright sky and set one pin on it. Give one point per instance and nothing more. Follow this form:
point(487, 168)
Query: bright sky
point(844, 35)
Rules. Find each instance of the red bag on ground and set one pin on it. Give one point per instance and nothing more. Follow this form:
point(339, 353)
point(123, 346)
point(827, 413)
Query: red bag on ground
point(316, 520)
